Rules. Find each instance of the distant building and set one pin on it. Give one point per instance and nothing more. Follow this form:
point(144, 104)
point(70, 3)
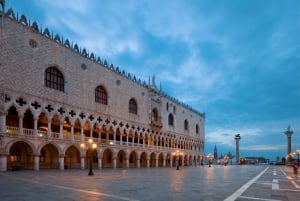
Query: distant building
point(215, 153)
point(249, 160)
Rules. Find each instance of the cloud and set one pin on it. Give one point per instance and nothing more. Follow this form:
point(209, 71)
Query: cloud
point(226, 136)
point(237, 62)
point(267, 147)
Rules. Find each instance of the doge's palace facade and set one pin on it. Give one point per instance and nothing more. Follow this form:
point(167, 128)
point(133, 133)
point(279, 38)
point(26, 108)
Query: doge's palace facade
point(56, 96)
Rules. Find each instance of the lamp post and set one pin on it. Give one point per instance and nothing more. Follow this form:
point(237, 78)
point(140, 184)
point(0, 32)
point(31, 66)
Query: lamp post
point(226, 160)
point(177, 154)
point(297, 152)
point(91, 146)
point(209, 157)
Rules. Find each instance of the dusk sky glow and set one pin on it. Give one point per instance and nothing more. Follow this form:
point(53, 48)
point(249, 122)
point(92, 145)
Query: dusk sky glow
point(237, 61)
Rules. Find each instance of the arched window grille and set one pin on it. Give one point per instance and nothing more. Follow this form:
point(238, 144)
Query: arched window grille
point(101, 95)
point(132, 106)
point(54, 79)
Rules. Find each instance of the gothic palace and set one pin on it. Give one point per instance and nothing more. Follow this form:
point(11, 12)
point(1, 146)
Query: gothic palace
point(62, 107)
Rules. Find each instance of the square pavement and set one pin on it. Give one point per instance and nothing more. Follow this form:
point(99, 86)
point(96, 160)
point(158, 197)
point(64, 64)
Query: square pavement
point(216, 183)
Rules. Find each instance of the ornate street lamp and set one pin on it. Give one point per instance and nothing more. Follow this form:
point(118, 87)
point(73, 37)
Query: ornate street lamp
point(209, 157)
point(226, 160)
point(297, 152)
point(289, 157)
point(91, 146)
point(177, 154)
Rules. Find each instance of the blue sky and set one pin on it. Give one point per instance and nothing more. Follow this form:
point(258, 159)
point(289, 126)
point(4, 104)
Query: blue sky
point(237, 61)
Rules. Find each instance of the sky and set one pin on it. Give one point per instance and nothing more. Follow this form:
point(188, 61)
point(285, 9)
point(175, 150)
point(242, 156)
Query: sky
point(236, 60)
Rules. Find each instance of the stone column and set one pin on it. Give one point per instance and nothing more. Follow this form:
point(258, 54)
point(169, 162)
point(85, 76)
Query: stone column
point(91, 132)
point(35, 119)
point(114, 162)
point(82, 165)
point(99, 163)
point(20, 124)
point(237, 148)
point(2, 122)
point(289, 134)
point(148, 162)
point(138, 163)
point(3, 162)
point(49, 128)
point(36, 162)
point(127, 163)
point(61, 129)
point(61, 162)
point(72, 132)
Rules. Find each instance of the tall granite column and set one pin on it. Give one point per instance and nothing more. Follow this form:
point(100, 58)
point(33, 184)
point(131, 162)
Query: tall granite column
point(237, 148)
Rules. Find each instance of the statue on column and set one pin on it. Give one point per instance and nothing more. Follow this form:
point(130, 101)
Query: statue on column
point(2, 2)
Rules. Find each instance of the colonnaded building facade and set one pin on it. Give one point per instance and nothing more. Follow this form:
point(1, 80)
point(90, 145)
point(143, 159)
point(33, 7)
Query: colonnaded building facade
point(56, 97)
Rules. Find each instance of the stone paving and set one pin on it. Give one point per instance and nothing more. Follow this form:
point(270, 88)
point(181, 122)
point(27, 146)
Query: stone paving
point(228, 183)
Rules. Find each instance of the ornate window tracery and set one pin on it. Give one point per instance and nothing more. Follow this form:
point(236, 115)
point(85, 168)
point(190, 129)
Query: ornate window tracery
point(54, 79)
point(101, 95)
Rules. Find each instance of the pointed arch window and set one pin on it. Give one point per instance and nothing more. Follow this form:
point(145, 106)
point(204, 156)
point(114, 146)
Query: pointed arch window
point(171, 120)
point(197, 129)
point(154, 115)
point(132, 106)
point(101, 95)
point(186, 125)
point(54, 79)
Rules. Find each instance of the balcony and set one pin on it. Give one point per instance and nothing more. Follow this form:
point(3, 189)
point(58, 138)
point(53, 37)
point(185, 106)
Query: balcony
point(53, 136)
point(156, 124)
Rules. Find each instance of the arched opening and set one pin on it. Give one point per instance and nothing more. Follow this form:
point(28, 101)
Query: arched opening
point(103, 134)
point(118, 135)
point(124, 137)
point(67, 128)
point(141, 139)
point(130, 137)
point(49, 158)
point(133, 159)
point(86, 129)
point(143, 160)
point(152, 160)
point(12, 121)
point(77, 129)
point(121, 159)
point(111, 134)
point(55, 124)
point(72, 158)
point(96, 131)
point(190, 161)
point(168, 160)
point(160, 160)
point(20, 157)
point(154, 115)
point(42, 125)
point(107, 161)
point(91, 157)
point(28, 122)
point(136, 138)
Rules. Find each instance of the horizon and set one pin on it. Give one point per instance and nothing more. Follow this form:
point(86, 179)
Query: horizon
point(237, 62)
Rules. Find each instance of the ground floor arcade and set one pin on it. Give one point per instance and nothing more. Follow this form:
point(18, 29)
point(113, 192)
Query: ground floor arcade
point(23, 152)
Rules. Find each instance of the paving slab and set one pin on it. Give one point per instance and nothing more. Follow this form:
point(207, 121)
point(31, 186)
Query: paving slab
point(149, 184)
